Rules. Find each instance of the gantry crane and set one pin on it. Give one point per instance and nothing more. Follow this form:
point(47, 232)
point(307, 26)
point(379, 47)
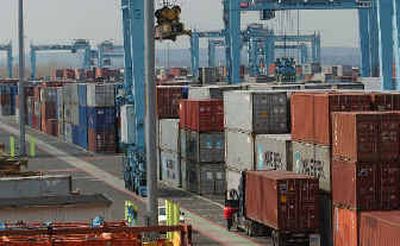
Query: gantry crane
point(378, 31)
point(8, 48)
point(108, 50)
point(80, 44)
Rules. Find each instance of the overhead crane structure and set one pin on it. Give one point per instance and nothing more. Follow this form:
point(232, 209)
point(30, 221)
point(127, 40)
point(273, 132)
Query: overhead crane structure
point(8, 49)
point(378, 31)
point(76, 46)
point(107, 51)
point(258, 55)
point(252, 35)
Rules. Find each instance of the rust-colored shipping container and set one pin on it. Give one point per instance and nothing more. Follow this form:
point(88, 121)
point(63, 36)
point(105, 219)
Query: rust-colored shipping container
point(311, 113)
point(168, 98)
point(380, 228)
point(366, 136)
point(366, 186)
point(50, 127)
point(386, 101)
point(102, 141)
point(282, 200)
point(182, 114)
point(345, 227)
point(202, 115)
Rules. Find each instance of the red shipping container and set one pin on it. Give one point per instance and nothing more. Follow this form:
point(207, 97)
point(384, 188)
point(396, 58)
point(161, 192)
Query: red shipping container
point(345, 227)
point(168, 98)
point(204, 115)
point(282, 200)
point(102, 141)
point(366, 136)
point(366, 186)
point(380, 228)
point(51, 127)
point(311, 113)
point(386, 101)
point(182, 114)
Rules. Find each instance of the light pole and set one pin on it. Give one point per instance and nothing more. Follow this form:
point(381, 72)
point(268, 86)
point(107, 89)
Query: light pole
point(21, 91)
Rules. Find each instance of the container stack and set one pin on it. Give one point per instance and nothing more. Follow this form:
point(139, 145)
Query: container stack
point(8, 93)
point(71, 110)
point(80, 130)
point(49, 98)
point(168, 97)
point(101, 118)
point(312, 140)
point(202, 146)
point(365, 170)
point(256, 133)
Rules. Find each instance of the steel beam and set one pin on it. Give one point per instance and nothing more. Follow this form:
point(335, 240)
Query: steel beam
point(385, 22)
point(396, 36)
point(363, 26)
point(373, 39)
point(194, 51)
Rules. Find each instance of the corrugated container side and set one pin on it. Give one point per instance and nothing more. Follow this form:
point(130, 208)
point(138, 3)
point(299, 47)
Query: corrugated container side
point(314, 160)
point(239, 150)
point(183, 172)
point(205, 179)
point(261, 112)
point(169, 134)
point(380, 228)
point(184, 142)
point(282, 200)
point(82, 94)
point(207, 147)
point(67, 132)
point(101, 118)
point(366, 136)
point(168, 98)
point(102, 141)
point(273, 152)
point(233, 177)
point(325, 217)
point(386, 101)
point(100, 95)
point(171, 168)
point(205, 115)
point(345, 227)
point(366, 186)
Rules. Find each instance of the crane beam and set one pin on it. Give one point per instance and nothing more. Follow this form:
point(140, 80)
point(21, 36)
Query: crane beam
point(8, 48)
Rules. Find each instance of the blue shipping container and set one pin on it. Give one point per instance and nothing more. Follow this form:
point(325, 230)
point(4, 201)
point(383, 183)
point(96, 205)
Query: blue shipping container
point(80, 136)
point(83, 117)
point(82, 94)
point(101, 118)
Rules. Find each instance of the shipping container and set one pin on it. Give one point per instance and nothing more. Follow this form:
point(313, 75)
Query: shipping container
point(102, 140)
point(205, 179)
point(171, 168)
point(205, 147)
point(282, 200)
point(311, 113)
point(168, 98)
point(183, 142)
point(202, 115)
point(82, 95)
point(127, 125)
point(325, 218)
point(101, 118)
point(67, 132)
point(211, 92)
point(366, 186)
point(169, 138)
point(258, 152)
point(366, 136)
point(380, 228)
point(232, 177)
point(259, 112)
point(345, 227)
point(183, 171)
point(314, 160)
point(100, 95)
point(384, 101)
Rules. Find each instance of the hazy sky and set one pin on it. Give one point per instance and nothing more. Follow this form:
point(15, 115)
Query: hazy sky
point(97, 20)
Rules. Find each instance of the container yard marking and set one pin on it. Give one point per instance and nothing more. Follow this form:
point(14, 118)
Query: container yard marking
point(205, 227)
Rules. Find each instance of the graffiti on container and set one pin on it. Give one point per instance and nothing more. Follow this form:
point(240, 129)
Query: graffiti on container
point(310, 166)
point(269, 160)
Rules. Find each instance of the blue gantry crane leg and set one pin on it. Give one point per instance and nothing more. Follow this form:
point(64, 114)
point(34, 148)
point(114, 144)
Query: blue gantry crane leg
point(396, 26)
point(363, 25)
point(373, 39)
point(212, 48)
point(76, 46)
point(134, 35)
point(8, 49)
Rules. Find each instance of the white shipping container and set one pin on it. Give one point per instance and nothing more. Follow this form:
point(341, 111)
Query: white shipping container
point(100, 95)
point(211, 91)
point(314, 160)
point(169, 134)
point(232, 179)
point(246, 151)
point(171, 168)
point(261, 112)
point(127, 124)
point(67, 132)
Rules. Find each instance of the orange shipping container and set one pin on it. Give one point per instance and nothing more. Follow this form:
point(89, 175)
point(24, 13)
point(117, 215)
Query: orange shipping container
point(380, 228)
point(345, 227)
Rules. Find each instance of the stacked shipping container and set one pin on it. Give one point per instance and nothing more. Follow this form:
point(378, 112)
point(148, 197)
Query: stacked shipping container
point(8, 93)
point(202, 145)
point(365, 169)
point(256, 127)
